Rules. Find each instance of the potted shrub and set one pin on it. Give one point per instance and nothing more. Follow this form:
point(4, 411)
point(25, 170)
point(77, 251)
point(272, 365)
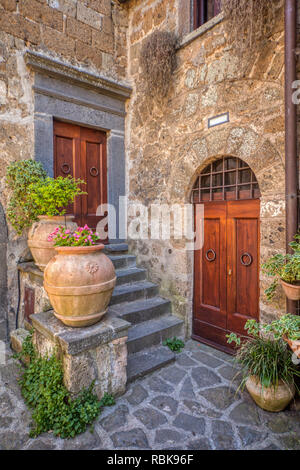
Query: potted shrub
point(288, 328)
point(39, 202)
point(80, 279)
point(285, 269)
point(268, 371)
point(21, 210)
point(50, 197)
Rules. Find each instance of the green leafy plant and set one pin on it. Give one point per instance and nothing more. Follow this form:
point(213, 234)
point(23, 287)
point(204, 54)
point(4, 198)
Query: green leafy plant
point(22, 211)
point(175, 344)
point(265, 357)
point(54, 407)
point(107, 400)
point(51, 196)
point(286, 326)
point(82, 236)
point(285, 267)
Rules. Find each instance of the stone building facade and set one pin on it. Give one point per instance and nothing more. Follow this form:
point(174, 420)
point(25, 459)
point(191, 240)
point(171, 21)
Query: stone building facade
point(78, 61)
point(209, 80)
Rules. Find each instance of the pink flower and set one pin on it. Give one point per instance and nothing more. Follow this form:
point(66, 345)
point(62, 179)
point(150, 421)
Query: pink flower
point(67, 231)
point(86, 227)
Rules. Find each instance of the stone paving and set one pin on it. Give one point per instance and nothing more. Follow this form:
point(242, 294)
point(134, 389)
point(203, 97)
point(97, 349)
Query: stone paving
point(189, 405)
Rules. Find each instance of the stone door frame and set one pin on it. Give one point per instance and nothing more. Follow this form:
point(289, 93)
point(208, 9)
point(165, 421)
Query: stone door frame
point(70, 94)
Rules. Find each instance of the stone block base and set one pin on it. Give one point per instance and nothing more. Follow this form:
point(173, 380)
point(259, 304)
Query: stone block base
point(98, 352)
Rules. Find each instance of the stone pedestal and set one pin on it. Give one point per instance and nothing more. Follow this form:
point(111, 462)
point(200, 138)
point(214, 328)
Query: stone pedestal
point(98, 352)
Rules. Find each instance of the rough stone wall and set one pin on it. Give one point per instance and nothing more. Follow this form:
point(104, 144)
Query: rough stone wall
point(169, 143)
point(90, 34)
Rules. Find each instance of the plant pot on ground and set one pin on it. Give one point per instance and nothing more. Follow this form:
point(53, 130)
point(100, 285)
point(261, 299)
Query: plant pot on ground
point(80, 279)
point(268, 371)
point(286, 270)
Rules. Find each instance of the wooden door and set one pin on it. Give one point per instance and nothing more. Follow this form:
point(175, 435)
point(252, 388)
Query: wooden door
point(226, 282)
point(81, 152)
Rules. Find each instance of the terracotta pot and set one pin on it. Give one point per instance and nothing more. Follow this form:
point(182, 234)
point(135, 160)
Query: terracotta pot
point(80, 281)
point(270, 398)
point(42, 250)
point(294, 345)
point(292, 291)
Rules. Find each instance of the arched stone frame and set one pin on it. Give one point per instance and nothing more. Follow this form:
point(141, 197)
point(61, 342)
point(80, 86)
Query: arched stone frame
point(3, 274)
point(266, 163)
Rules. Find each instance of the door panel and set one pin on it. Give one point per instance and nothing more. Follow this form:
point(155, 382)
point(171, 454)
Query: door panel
point(210, 270)
point(94, 172)
point(242, 259)
point(226, 287)
point(81, 152)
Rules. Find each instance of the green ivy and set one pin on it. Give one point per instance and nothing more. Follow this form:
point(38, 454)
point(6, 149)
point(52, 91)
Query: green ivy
point(175, 344)
point(52, 196)
point(22, 211)
point(54, 408)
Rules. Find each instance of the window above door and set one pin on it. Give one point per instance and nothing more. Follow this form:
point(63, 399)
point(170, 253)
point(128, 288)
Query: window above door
point(204, 10)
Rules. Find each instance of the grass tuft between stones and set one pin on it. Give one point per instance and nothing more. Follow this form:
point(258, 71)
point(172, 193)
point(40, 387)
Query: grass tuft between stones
point(54, 407)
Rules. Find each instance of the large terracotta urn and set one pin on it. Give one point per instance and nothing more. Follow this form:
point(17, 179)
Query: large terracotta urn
point(41, 249)
point(79, 282)
point(270, 398)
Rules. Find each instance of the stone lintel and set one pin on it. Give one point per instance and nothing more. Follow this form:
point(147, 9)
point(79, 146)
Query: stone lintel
point(53, 67)
point(74, 341)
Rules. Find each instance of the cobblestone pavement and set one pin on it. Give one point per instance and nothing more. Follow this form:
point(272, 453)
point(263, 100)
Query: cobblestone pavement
point(189, 405)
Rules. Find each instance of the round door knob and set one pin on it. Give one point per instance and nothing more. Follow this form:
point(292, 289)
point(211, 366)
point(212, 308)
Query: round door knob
point(248, 260)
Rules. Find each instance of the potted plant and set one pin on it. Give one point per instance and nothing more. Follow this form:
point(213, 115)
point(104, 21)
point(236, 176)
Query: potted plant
point(288, 328)
point(268, 371)
point(50, 198)
point(80, 279)
point(285, 269)
point(39, 202)
point(21, 210)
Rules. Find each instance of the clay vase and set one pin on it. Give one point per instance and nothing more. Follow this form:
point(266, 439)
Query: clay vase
point(41, 249)
point(292, 291)
point(270, 398)
point(80, 281)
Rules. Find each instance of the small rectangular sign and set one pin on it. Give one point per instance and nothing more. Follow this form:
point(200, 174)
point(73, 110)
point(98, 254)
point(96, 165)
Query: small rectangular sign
point(218, 120)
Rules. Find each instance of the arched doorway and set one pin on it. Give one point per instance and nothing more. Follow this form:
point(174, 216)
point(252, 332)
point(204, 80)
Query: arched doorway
point(226, 268)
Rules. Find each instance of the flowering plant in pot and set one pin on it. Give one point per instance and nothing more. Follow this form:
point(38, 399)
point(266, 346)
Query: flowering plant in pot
point(50, 198)
point(286, 270)
point(80, 279)
point(267, 369)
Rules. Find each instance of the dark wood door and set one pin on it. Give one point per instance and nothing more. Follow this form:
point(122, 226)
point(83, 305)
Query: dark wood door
point(81, 152)
point(226, 287)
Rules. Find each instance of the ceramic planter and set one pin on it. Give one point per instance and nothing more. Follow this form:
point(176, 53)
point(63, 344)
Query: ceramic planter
point(79, 282)
point(41, 249)
point(270, 398)
point(292, 291)
point(294, 345)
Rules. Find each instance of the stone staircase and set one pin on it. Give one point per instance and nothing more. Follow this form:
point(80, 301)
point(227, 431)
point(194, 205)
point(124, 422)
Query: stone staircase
point(137, 301)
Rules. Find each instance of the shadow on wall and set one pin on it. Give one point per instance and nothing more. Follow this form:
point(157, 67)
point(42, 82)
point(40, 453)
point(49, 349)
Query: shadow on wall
point(3, 274)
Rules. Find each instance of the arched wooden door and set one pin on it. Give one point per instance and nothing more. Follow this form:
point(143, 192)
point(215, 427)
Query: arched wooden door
point(226, 268)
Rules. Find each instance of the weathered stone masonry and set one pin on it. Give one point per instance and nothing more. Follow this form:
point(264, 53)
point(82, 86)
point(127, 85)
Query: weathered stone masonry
point(89, 35)
point(170, 144)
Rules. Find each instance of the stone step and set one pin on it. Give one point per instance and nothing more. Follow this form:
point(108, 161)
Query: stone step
point(116, 248)
point(130, 275)
point(152, 332)
point(135, 291)
point(142, 310)
point(123, 261)
point(148, 361)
